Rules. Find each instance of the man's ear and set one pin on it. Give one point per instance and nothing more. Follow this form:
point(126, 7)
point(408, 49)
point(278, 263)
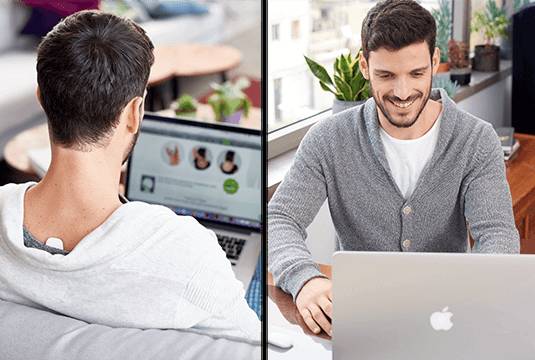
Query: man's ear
point(363, 64)
point(134, 114)
point(38, 95)
point(435, 60)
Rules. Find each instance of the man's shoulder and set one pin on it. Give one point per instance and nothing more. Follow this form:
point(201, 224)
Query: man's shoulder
point(13, 191)
point(475, 133)
point(337, 126)
point(165, 217)
point(470, 125)
point(166, 236)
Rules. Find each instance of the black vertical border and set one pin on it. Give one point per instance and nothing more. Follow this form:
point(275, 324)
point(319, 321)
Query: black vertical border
point(263, 56)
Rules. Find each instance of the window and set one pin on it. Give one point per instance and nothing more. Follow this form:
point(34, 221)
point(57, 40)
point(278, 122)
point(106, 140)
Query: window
point(275, 32)
point(320, 30)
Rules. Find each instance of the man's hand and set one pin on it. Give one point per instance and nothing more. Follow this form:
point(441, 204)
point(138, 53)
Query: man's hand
point(314, 303)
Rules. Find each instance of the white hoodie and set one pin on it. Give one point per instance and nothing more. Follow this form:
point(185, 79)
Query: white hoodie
point(144, 267)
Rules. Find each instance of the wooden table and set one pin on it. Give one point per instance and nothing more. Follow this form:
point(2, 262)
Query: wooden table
point(521, 178)
point(192, 60)
point(172, 62)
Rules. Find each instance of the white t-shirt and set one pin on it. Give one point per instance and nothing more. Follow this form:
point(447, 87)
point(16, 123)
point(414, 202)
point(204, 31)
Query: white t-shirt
point(144, 267)
point(407, 158)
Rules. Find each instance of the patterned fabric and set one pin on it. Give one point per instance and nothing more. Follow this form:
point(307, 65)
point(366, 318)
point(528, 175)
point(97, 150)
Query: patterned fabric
point(254, 293)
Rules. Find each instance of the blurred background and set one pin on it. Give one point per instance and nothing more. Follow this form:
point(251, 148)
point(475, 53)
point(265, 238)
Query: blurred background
point(200, 44)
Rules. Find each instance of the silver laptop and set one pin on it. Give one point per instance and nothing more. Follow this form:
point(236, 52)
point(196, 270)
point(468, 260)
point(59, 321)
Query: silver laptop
point(433, 306)
point(209, 171)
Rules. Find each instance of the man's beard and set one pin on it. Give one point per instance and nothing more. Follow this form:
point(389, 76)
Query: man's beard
point(127, 154)
point(390, 118)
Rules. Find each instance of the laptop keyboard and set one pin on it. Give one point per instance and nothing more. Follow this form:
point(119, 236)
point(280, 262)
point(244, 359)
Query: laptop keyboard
point(232, 246)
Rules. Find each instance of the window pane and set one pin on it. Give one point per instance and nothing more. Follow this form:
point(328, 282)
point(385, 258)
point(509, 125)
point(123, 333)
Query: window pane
point(319, 29)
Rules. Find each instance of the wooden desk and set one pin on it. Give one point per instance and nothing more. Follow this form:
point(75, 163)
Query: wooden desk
point(521, 178)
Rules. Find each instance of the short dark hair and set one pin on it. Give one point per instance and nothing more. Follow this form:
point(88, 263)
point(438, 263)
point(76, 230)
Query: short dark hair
point(394, 24)
point(89, 67)
point(229, 156)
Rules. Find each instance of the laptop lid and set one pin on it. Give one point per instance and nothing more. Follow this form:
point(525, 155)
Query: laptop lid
point(433, 306)
point(209, 171)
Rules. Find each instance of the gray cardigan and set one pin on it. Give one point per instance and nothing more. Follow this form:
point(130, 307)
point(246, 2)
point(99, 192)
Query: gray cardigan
point(342, 159)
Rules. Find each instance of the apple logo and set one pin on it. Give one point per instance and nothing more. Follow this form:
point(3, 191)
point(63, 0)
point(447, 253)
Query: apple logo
point(441, 320)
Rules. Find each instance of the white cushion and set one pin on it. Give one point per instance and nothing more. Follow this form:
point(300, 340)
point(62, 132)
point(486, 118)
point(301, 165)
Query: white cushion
point(27, 333)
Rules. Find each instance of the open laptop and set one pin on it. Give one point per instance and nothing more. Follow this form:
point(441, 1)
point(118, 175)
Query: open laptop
point(209, 171)
point(433, 306)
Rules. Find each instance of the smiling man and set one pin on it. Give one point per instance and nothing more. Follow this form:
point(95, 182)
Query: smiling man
point(406, 171)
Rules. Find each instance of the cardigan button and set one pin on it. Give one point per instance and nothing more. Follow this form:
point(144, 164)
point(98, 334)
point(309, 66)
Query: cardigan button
point(407, 210)
point(406, 243)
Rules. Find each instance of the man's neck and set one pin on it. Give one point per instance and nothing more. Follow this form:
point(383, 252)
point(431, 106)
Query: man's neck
point(78, 193)
point(425, 122)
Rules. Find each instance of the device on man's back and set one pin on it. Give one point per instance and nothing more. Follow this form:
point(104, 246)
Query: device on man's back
point(184, 165)
point(433, 306)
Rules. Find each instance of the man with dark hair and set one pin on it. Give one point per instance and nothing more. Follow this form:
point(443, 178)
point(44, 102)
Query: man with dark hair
point(406, 171)
point(68, 243)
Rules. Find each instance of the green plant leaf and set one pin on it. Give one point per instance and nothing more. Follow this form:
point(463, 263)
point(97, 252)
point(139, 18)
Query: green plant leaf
point(343, 88)
point(319, 71)
point(357, 84)
point(364, 92)
point(345, 70)
point(327, 88)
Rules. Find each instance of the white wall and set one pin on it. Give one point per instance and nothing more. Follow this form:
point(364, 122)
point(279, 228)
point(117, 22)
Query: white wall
point(492, 104)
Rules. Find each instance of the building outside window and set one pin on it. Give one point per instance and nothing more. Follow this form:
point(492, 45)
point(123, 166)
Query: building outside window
point(296, 29)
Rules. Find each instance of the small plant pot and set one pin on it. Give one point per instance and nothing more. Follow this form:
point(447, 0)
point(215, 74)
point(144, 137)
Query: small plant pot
point(487, 58)
point(443, 67)
point(339, 105)
point(233, 118)
point(461, 76)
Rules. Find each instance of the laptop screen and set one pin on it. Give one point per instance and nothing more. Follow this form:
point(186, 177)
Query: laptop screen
point(209, 171)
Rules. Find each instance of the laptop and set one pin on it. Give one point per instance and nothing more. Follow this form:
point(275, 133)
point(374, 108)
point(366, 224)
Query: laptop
point(433, 306)
point(209, 171)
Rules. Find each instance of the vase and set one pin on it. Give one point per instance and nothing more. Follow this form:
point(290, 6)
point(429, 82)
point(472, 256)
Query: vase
point(486, 58)
point(443, 67)
point(461, 76)
point(233, 118)
point(340, 105)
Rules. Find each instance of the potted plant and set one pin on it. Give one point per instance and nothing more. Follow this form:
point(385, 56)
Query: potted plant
point(229, 102)
point(442, 17)
point(185, 106)
point(459, 62)
point(444, 82)
point(348, 85)
point(492, 21)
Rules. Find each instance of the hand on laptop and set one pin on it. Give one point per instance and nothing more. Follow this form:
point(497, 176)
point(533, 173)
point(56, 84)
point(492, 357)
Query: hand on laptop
point(314, 303)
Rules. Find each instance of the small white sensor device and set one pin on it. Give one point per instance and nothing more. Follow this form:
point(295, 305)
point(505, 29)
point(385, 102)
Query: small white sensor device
point(55, 243)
